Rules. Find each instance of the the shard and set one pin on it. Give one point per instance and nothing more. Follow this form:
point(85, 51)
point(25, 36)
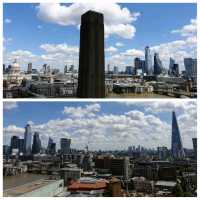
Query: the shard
point(177, 147)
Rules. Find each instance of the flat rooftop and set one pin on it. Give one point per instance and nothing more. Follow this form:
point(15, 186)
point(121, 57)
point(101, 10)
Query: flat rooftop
point(166, 183)
point(29, 187)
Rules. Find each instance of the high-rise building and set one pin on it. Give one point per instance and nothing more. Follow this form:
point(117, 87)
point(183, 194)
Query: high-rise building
point(65, 145)
point(190, 67)
point(44, 68)
point(129, 70)
point(139, 66)
point(14, 142)
point(115, 70)
point(194, 141)
point(148, 61)
point(158, 67)
point(51, 148)
point(142, 64)
point(27, 139)
point(50, 141)
point(91, 78)
point(65, 69)
point(171, 64)
point(6, 150)
point(108, 68)
point(21, 146)
point(29, 70)
point(175, 70)
point(4, 68)
point(36, 147)
point(176, 145)
point(71, 69)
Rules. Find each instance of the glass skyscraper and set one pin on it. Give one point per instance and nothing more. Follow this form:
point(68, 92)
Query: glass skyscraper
point(177, 147)
point(158, 67)
point(148, 61)
point(65, 145)
point(36, 143)
point(27, 139)
point(190, 67)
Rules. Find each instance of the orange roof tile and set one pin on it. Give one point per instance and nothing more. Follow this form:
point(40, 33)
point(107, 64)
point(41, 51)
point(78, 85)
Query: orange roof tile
point(88, 186)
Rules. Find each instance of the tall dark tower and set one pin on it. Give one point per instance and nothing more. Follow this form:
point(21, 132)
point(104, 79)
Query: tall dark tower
point(177, 147)
point(91, 79)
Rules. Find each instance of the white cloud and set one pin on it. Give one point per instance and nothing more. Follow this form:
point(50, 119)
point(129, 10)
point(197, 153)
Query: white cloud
point(111, 49)
point(9, 105)
point(59, 48)
point(8, 21)
point(119, 44)
point(117, 20)
point(133, 53)
point(88, 111)
point(187, 30)
point(157, 107)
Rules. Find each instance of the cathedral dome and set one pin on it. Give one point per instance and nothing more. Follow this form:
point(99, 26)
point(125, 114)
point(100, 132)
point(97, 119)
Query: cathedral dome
point(15, 68)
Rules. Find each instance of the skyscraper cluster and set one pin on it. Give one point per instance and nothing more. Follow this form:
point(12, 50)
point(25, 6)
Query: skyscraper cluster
point(31, 144)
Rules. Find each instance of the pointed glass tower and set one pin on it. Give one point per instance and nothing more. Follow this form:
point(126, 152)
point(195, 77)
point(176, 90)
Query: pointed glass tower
point(177, 147)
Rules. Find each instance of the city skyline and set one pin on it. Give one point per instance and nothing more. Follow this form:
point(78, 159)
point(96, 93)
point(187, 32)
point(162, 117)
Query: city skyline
point(126, 27)
point(102, 124)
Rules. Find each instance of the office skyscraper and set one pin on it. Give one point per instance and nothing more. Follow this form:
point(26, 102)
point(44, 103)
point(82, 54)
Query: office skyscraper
point(65, 145)
point(176, 146)
point(148, 61)
point(115, 70)
point(27, 139)
point(65, 69)
point(190, 67)
point(14, 143)
point(36, 143)
point(171, 65)
point(49, 144)
point(21, 146)
point(157, 64)
point(129, 70)
point(29, 70)
point(91, 79)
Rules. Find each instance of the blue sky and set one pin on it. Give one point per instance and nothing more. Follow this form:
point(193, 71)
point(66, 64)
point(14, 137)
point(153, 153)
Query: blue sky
point(124, 124)
point(28, 26)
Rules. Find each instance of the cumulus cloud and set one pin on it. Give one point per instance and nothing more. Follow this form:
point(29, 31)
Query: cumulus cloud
point(61, 48)
point(114, 131)
point(117, 20)
point(187, 30)
point(119, 44)
point(111, 49)
point(9, 105)
point(87, 111)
